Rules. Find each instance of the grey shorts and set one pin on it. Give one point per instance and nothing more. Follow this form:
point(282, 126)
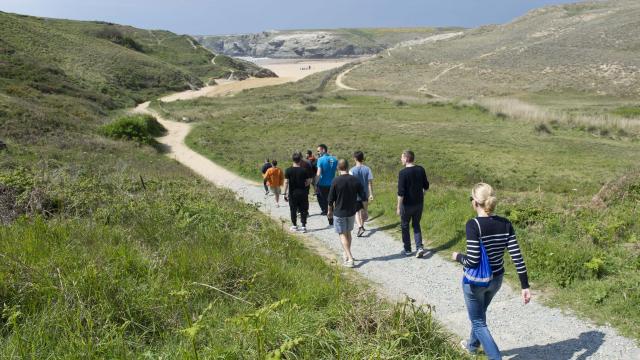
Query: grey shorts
point(343, 225)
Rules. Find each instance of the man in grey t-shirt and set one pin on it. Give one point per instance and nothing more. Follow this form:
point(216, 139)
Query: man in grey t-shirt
point(364, 175)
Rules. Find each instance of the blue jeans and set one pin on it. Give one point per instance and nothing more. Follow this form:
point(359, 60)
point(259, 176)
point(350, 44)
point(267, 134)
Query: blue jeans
point(477, 299)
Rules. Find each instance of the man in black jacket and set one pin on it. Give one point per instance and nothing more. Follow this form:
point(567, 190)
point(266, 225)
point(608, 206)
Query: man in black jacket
point(412, 184)
point(266, 166)
point(343, 200)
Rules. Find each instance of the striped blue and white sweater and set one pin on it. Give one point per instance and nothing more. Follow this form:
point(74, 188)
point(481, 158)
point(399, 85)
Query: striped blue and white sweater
point(497, 235)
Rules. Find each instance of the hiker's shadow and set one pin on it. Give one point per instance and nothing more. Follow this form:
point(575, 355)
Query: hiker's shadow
point(370, 232)
point(457, 237)
point(586, 345)
point(362, 262)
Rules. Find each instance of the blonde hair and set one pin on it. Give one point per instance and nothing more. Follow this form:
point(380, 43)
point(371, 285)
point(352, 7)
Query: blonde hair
point(485, 196)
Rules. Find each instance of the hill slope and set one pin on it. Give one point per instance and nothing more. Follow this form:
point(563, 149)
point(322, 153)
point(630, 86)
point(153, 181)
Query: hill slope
point(315, 43)
point(55, 74)
point(584, 47)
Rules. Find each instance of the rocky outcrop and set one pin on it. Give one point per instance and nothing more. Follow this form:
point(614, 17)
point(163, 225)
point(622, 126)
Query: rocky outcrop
point(313, 44)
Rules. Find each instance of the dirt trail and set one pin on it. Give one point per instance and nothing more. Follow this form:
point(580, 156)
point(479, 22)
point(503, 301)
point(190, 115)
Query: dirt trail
point(339, 79)
point(531, 332)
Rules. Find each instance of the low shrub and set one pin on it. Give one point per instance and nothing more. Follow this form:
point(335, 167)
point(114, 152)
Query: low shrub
point(311, 108)
point(139, 128)
point(542, 128)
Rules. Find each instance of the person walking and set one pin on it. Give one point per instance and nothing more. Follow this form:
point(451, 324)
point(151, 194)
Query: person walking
point(495, 234)
point(412, 184)
point(313, 162)
point(265, 167)
point(274, 179)
point(364, 175)
point(327, 165)
point(296, 192)
point(342, 207)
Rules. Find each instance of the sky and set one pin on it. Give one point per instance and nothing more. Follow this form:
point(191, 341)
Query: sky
point(200, 17)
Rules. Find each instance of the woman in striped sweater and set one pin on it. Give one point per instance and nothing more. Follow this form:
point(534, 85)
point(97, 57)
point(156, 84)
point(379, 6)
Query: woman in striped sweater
point(497, 235)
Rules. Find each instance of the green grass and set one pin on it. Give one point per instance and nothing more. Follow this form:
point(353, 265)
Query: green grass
point(632, 112)
point(545, 181)
point(108, 244)
point(110, 250)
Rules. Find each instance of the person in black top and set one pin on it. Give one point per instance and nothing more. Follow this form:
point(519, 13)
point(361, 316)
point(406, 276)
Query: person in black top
point(496, 235)
point(343, 201)
point(296, 192)
point(412, 184)
point(266, 166)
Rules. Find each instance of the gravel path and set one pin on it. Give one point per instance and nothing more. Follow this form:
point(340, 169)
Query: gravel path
point(522, 332)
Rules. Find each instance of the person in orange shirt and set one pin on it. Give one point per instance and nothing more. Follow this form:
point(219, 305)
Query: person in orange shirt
point(275, 179)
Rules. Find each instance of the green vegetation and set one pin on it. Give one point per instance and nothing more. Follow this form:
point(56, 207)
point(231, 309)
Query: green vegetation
point(539, 52)
point(628, 111)
point(584, 251)
point(148, 262)
point(110, 250)
point(140, 128)
point(111, 65)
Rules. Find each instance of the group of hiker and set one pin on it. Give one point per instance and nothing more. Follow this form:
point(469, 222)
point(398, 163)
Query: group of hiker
point(344, 199)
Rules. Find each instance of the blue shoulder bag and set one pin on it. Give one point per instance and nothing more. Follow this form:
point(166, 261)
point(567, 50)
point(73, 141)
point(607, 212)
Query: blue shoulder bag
point(482, 274)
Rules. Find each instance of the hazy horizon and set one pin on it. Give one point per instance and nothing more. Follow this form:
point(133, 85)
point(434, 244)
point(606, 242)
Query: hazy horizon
point(197, 17)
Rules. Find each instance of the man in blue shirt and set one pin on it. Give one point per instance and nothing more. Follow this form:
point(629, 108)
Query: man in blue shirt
point(327, 165)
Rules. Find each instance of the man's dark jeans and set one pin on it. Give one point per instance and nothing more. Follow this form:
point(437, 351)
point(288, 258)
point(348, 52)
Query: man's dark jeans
point(266, 188)
point(323, 198)
point(411, 214)
point(299, 202)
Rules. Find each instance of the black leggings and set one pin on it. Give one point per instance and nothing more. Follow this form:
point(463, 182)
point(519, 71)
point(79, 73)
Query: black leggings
point(299, 202)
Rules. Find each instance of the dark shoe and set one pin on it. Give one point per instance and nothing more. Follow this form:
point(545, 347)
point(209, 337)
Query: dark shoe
point(361, 231)
point(407, 252)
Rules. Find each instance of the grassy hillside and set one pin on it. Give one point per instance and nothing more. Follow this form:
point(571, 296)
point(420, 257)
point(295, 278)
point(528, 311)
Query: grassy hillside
point(108, 249)
point(587, 48)
point(121, 62)
point(58, 75)
point(579, 238)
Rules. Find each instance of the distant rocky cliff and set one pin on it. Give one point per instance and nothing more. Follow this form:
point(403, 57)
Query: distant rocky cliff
point(312, 44)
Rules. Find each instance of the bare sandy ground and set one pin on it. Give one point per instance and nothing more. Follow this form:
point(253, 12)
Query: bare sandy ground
point(286, 69)
point(298, 69)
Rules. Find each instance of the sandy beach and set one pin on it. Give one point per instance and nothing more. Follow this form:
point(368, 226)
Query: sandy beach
point(288, 70)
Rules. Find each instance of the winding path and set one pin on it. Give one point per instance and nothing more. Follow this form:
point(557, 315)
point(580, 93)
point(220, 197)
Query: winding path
point(533, 332)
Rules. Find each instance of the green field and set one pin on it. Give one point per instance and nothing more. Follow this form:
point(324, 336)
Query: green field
point(120, 250)
point(108, 249)
point(583, 252)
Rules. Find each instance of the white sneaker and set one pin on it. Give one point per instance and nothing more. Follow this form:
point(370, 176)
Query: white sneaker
point(293, 228)
point(420, 252)
point(348, 263)
point(302, 229)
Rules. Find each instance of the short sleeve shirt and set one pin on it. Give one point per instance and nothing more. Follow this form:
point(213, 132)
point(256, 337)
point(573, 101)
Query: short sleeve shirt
point(364, 175)
point(327, 165)
point(297, 177)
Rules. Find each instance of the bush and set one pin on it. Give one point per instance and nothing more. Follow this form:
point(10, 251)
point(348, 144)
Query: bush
point(311, 108)
point(400, 103)
point(628, 111)
point(542, 128)
point(117, 37)
point(139, 128)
